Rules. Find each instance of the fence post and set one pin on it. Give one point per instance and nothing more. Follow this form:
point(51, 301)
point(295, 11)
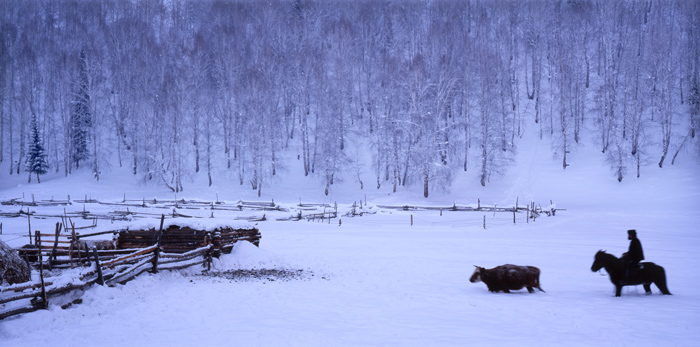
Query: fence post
point(208, 240)
point(527, 215)
point(209, 259)
point(216, 240)
point(29, 224)
point(55, 245)
point(156, 253)
point(100, 279)
point(87, 254)
point(41, 272)
point(73, 244)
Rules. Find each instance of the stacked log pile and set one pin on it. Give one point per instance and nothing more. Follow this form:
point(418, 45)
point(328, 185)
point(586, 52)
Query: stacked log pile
point(178, 239)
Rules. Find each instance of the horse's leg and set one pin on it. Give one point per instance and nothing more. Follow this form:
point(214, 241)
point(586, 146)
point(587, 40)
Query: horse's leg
point(618, 290)
point(647, 288)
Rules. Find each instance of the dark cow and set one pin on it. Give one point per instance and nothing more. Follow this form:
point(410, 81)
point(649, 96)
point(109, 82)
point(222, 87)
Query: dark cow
point(508, 277)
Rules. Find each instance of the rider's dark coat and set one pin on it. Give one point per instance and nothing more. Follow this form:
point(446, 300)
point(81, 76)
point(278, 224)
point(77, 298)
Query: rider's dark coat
point(635, 254)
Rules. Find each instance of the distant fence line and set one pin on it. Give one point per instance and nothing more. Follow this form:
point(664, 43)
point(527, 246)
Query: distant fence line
point(178, 207)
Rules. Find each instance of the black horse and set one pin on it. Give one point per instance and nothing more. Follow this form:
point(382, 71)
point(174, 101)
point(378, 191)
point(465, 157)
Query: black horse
point(647, 273)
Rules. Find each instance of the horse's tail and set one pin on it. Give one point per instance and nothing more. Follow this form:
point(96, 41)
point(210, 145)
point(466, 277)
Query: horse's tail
point(661, 281)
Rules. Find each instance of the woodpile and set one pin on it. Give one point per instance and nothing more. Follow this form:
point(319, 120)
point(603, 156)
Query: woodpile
point(176, 239)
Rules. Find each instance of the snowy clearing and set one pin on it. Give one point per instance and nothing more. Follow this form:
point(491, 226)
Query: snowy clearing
point(379, 281)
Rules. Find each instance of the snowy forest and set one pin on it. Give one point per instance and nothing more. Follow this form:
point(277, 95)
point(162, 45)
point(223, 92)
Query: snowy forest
point(407, 94)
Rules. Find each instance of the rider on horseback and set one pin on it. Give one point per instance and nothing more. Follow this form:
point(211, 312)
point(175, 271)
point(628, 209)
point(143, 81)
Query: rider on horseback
point(634, 255)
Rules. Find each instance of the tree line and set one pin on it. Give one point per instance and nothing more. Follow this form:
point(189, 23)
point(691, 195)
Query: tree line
point(422, 89)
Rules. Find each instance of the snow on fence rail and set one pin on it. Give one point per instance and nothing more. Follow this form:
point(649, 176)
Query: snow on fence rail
point(130, 209)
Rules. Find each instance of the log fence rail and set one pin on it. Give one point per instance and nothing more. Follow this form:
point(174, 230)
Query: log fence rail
point(128, 209)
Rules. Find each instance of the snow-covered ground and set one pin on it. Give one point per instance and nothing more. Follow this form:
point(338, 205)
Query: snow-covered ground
point(377, 280)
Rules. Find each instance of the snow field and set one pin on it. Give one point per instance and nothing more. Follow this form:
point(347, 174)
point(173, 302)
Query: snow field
point(387, 283)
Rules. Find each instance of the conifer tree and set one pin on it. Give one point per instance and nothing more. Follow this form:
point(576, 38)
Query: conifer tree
point(36, 157)
point(81, 119)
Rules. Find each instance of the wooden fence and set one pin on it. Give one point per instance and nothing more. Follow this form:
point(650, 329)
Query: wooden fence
point(116, 266)
point(128, 209)
point(32, 297)
point(123, 212)
point(532, 209)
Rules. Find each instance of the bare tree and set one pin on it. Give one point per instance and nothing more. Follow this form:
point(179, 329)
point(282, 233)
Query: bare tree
point(427, 88)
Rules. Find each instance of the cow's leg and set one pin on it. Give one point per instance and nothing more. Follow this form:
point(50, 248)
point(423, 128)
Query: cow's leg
point(530, 290)
point(647, 288)
point(506, 291)
point(618, 290)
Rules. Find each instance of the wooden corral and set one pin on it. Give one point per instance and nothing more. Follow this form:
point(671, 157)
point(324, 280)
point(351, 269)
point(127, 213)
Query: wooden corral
point(169, 247)
point(24, 298)
point(69, 250)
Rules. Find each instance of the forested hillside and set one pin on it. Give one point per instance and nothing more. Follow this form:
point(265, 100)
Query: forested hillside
point(407, 93)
